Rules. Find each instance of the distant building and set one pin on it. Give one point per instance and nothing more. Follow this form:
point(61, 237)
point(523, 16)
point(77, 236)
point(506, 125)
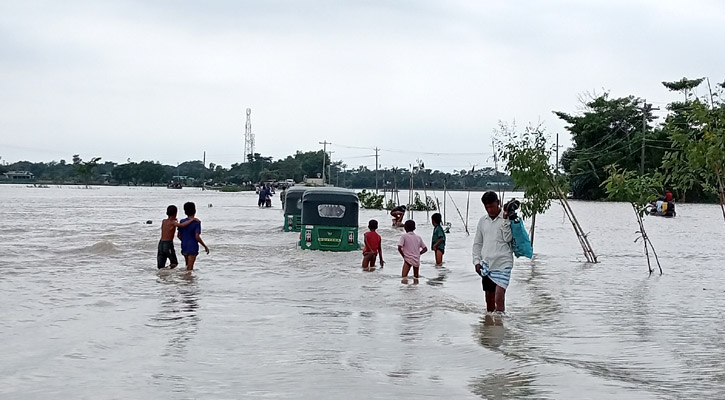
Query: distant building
point(24, 176)
point(497, 184)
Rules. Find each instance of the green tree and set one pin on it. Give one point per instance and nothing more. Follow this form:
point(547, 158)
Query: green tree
point(638, 191)
point(150, 172)
point(126, 173)
point(84, 169)
point(609, 131)
point(697, 128)
point(526, 157)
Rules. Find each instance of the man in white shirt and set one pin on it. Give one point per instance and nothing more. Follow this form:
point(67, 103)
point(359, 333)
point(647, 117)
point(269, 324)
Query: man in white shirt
point(492, 253)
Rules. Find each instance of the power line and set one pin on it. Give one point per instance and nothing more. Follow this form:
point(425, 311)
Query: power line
point(415, 152)
point(593, 171)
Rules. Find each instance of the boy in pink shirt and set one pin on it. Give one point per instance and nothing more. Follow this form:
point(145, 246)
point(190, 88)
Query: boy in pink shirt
point(411, 246)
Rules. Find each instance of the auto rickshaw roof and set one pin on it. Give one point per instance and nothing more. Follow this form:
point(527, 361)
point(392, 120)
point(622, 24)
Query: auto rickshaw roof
point(330, 194)
point(297, 189)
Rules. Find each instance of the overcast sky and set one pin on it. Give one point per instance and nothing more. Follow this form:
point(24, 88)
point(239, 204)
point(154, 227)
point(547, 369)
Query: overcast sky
point(168, 80)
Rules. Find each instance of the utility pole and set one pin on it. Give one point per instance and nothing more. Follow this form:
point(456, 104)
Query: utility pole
point(324, 155)
point(329, 165)
point(376, 170)
point(495, 166)
point(557, 153)
point(203, 162)
point(645, 108)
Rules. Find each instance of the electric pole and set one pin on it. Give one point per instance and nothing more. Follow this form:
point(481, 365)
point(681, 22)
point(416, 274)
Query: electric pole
point(329, 166)
point(645, 108)
point(324, 155)
point(557, 153)
point(376, 170)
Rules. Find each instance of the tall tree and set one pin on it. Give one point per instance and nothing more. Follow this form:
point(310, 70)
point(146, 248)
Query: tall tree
point(609, 131)
point(697, 127)
point(84, 169)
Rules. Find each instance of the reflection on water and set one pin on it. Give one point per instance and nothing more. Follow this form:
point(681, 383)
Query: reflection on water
point(178, 312)
point(506, 385)
point(440, 279)
point(491, 331)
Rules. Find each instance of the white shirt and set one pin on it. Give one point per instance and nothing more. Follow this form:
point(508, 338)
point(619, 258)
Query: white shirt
point(492, 243)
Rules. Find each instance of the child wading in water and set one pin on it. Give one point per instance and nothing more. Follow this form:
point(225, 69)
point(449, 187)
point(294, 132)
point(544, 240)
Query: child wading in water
point(191, 236)
point(411, 246)
point(372, 246)
point(438, 243)
point(166, 244)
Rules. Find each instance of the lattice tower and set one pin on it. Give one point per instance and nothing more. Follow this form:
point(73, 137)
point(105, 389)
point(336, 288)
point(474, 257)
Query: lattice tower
point(248, 137)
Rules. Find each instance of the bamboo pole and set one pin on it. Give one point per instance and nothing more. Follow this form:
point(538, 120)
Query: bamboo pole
point(533, 226)
point(459, 213)
point(468, 201)
point(425, 193)
point(581, 235)
point(445, 190)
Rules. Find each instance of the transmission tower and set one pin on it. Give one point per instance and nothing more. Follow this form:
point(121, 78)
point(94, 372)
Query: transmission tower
point(248, 137)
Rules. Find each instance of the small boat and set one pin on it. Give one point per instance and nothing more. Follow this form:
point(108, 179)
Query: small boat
point(665, 209)
point(174, 185)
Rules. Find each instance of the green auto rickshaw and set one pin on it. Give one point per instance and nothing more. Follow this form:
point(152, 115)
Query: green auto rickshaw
point(293, 208)
point(329, 219)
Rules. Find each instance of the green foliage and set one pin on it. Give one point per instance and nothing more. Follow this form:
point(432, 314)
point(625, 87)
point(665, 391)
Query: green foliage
point(629, 186)
point(370, 200)
point(390, 204)
point(84, 169)
point(697, 129)
point(684, 85)
point(608, 131)
point(419, 205)
point(526, 157)
point(638, 191)
point(687, 149)
point(230, 188)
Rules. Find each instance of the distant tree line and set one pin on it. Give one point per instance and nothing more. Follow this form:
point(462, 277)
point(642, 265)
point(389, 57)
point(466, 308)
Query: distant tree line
point(256, 169)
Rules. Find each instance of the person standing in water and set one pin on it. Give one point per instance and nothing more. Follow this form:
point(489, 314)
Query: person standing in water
point(438, 243)
point(492, 252)
point(263, 194)
point(372, 246)
point(190, 236)
point(411, 247)
point(166, 244)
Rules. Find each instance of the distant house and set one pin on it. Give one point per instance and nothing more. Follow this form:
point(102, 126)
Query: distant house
point(497, 184)
point(24, 176)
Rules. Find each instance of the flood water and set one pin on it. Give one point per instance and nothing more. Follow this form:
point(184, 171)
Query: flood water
point(87, 315)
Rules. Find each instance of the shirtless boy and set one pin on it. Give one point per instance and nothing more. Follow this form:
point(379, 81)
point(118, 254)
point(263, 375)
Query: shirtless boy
point(166, 244)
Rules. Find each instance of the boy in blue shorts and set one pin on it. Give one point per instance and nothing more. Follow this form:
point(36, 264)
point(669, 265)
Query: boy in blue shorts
point(190, 236)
